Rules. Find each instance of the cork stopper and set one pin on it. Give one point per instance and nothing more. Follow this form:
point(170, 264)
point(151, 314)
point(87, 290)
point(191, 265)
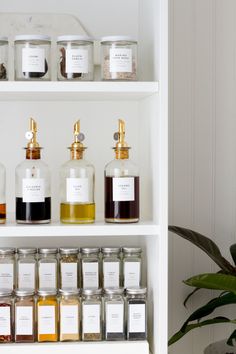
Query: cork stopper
point(33, 149)
point(77, 148)
point(121, 148)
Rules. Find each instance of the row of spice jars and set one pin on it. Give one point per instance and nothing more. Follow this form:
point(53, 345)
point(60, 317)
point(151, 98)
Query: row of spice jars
point(46, 316)
point(74, 58)
point(90, 267)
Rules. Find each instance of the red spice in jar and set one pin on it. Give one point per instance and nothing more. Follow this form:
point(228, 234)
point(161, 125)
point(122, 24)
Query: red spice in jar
point(6, 335)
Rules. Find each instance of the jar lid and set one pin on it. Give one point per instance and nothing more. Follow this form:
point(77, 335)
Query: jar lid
point(50, 250)
point(69, 291)
point(27, 250)
point(92, 291)
point(5, 292)
point(32, 37)
point(46, 291)
point(3, 39)
point(69, 250)
point(131, 249)
point(7, 250)
point(136, 291)
point(89, 250)
point(74, 37)
point(110, 250)
point(24, 292)
point(118, 39)
point(114, 291)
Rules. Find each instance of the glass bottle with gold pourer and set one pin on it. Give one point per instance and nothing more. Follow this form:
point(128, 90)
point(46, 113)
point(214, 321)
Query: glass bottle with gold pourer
point(2, 194)
point(33, 195)
point(77, 184)
point(121, 183)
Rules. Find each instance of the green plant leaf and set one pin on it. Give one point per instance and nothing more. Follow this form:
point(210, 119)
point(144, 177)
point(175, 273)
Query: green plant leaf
point(225, 282)
point(206, 245)
point(233, 252)
point(232, 339)
point(189, 295)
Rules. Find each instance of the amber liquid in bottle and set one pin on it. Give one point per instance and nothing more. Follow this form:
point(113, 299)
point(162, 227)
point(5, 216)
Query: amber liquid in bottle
point(2, 213)
point(77, 213)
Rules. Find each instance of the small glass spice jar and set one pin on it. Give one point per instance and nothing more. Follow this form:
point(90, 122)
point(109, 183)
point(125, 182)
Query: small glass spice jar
point(136, 313)
point(75, 58)
point(132, 262)
point(7, 268)
point(118, 58)
point(47, 268)
point(91, 315)
point(6, 316)
point(90, 266)
point(32, 57)
point(69, 308)
point(114, 319)
point(26, 268)
point(68, 267)
point(47, 315)
point(24, 316)
point(3, 58)
point(111, 267)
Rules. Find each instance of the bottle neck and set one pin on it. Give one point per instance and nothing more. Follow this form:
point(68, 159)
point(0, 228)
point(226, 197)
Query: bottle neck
point(33, 154)
point(76, 154)
point(122, 154)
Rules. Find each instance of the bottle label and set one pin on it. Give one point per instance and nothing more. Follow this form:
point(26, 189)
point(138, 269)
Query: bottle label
point(46, 319)
point(47, 275)
point(77, 190)
point(131, 274)
point(5, 321)
point(69, 317)
point(123, 189)
point(33, 60)
point(69, 275)
point(33, 190)
point(111, 274)
point(6, 276)
point(26, 275)
point(90, 275)
point(137, 318)
point(91, 318)
point(120, 60)
point(77, 61)
point(115, 318)
point(24, 320)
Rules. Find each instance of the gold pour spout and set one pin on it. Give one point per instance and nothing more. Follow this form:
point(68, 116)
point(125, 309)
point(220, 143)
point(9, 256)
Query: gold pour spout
point(77, 148)
point(32, 135)
point(122, 148)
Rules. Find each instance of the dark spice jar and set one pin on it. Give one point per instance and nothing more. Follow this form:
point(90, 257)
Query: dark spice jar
point(3, 58)
point(6, 316)
point(24, 316)
point(136, 313)
point(114, 314)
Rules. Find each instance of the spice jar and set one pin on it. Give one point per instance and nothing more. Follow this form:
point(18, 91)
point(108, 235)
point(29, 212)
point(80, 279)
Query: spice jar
point(69, 315)
point(132, 266)
point(47, 268)
point(75, 58)
point(7, 268)
point(3, 58)
point(32, 57)
point(68, 267)
point(90, 265)
point(111, 266)
point(47, 315)
point(114, 314)
point(119, 58)
point(26, 268)
point(24, 316)
point(6, 316)
point(91, 315)
point(136, 313)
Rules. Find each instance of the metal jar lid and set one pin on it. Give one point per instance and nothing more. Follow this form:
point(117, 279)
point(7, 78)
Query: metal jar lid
point(7, 250)
point(5, 292)
point(114, 291)
point(89, 250)
point(118, 39)
point(27, 250)
point(69, 250)
point(69, 291)
point(91, 292)
point(50, 250)
point(74, 38)
point(24, 292)
point(136, 291)
point(46, 292)
point(113, 250)
point(131, 249)
point(3, 39)
point(32, 37)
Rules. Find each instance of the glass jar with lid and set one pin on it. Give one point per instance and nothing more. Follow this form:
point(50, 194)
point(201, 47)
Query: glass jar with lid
point(90, 267)
point(91, 315)
point(68, 267)
point(26, 268)
point(111, 267)
point(136, 313)
point(132, 262)
point(3, 58)
point(6, 316)
point(24, 316)
point(7, 268)
point(75, 58)
point(114, 314)
point(47, 315)
point(69, 309)
point(48, 268)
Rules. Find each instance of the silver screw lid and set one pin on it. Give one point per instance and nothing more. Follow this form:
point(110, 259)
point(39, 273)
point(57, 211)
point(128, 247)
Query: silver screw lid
point(136, 291)
point(7, 250)
point(5, 292)
point(46, 291)
point(27, 250)
point(69, 250)
point(24, 292)
point(92, 291)
point(69, 291)
point(89, 250)
point(113, 250)
point(49, 250)
point(131, 249)
point(114, 291)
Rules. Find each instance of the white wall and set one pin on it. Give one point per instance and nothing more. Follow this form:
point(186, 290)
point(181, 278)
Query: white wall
point(202, 148)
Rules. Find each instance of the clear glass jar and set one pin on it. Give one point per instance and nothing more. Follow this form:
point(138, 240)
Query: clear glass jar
point(7, 268)
point(136, 313)
point(6, 316)
point(47, 315)
point(69, 308)
point(118, 58)
point(26, 268)
point(111, 267)
point(114, 319)
point(2, 194)
point(3, 58)
point(48, 268)
point(91, 315)
point(90, 267)
point(24, 316)
point(132, 265)
point(32, 57)
point(68, 267)
point(75, 58)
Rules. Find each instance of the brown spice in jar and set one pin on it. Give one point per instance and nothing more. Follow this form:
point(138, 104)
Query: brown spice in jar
point(25, 338)
point(92, 336)
point(108, 75)
point(63, 67)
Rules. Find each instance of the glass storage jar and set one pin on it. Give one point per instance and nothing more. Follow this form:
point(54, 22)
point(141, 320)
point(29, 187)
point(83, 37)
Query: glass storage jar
point(32, 57)
point(7, 268)
point(47, 315)
point(47, 268)
point(6, 316)
point(136, 313)
point(24, 316)
point(111, 267)
point(114, 318)
point(3, 58)
point(90, 267)
point(26, 268)
point(69, 314)
point(68, 267)
point(132, 262)
point(91, 315)
point(75, 58)
point(2, 194)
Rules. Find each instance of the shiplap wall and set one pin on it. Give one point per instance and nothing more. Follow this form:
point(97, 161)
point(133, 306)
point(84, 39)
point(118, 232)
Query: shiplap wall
point(202, 149)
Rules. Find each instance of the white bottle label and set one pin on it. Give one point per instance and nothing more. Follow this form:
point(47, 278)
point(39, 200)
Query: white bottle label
point(33, 190)
point(115, 318)
point(77, 61)
point(69, 275)
point(111, 274)
point(137, 318)
point(6, 276)
point(131, 274)
point(90, 275)
point(47, 275)
point(26, 275)
point(33, 60)
point(120, 60)
point(24, 320)
point(77, 190)
point(123, 189)
point(91, 318)
point(5, 321)
point(69, 317)
point(46, 319)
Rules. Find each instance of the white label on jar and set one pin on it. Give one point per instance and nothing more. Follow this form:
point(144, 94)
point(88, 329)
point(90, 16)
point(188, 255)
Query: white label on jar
point(6, 276)
point(46, 319)
point(123, 189)
point(77, 190)
point(69, 275)
point(90, 275)
point(33, 60)
point(137, 318)
point(91, 318)
point(77, 61)
point(115, 318)
point(5, 321)
point(111, 274)
point(33, 190)
point(24, 320)
point(26, 275)
point(69, 318)
point(47, 275)
point(131, 274)
point(120, 60)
